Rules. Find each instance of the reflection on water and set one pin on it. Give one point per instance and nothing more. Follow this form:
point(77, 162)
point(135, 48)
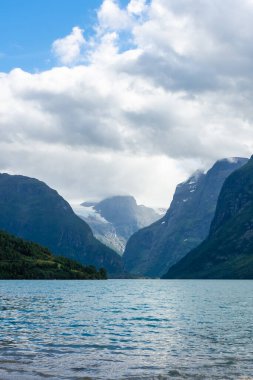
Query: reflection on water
point(126, 329)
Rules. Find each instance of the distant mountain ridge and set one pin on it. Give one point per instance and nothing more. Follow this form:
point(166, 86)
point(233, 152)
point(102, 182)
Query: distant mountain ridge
point(33, 211)
point(154, 249)
point(227, 252)
point(114, 219)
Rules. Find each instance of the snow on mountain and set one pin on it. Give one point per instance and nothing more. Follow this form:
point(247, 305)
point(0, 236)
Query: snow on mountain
point(115, 219)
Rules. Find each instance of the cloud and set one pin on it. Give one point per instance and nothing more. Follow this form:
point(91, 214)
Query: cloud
point(110, 16)
point(68, 49)
point(136, 7)
point(160, 89)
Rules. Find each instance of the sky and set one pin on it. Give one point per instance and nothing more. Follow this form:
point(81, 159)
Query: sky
point(100, 98)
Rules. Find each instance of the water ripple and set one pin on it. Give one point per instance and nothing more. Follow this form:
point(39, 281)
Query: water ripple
point(129, 330)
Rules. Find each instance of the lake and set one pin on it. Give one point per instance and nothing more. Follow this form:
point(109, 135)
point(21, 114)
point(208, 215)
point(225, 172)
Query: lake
point(126, 329)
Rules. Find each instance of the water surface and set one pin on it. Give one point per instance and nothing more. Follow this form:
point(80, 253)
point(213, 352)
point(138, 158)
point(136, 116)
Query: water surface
point(126, 329)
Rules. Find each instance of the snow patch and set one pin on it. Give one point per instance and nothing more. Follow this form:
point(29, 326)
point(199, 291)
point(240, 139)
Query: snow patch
point(88, 212)
point(193, 180)
point(195, 177)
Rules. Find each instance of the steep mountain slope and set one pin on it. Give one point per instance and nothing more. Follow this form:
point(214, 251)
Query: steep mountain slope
point(103, 230)
point(32, 210)
point(20, 259)
point(154, 249)
point(228, 250)
point(115, 219)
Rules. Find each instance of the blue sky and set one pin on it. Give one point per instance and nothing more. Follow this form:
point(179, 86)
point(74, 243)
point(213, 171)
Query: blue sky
point(164, 88)
point(28, 28)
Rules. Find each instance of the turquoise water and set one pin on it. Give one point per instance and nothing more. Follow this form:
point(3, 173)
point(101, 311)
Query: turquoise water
point(126, 329)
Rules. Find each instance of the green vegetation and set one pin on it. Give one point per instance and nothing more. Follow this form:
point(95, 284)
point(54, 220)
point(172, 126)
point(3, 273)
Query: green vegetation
point(228, 250)
point(33, 211)
point(154, 249)
point(20, 259)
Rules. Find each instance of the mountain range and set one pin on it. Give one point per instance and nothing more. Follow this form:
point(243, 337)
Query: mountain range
point(113, 220)
point(206, 233)
point(153, 250)
point(228, 250)
point(33, 211)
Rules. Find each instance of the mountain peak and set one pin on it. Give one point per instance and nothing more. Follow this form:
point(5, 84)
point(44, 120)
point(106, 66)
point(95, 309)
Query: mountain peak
point(155, 248)
point(227, 252)
point(193, 179)
point(223, 163)
point(114, 219)
point(32, 210)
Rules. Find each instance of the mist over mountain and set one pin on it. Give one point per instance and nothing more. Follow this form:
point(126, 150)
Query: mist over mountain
point(228, 250)
point(113, 220)
point(154, 249)
point(33, 211)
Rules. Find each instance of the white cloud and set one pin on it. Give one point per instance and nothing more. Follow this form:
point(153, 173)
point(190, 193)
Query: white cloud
point(68, 49)
point(136, 7)
point(110, 16)
point(93, 175)
point(166, 88)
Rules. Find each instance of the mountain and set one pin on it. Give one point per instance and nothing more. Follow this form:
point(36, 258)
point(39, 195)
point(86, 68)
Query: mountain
point(154, 249)
point(228, 250)
point(33, 211)
point(20, 259)
point(115, 219)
